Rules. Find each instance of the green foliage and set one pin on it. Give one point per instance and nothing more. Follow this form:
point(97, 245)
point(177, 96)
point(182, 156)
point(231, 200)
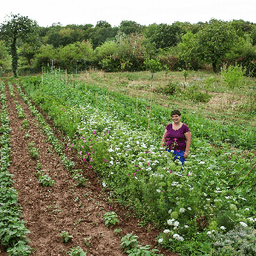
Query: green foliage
point(233, 76)
point(214, 41)
point(76, 251)
point(33, 150)
point(164, 35)
point(20, 111)
point(12, 229)
point(193, 93)
point(129, 242)
point(187, 50)
point(240, 241)
point(45, 180)
point(17, 27)
point(110, 219)
point(65, 237)
point(143, 251)
point(20, 249)
point(129, 27)
point(5, 58)
point(172, 88)
point(153, 65)
point(142, 175)
point(73, 55)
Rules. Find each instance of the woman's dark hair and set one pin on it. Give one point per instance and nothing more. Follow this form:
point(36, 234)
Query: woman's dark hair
point(175, 112)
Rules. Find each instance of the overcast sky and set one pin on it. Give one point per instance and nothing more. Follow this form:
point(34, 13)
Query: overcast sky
point(144, 12)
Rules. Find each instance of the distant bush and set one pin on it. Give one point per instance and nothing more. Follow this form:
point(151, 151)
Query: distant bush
point(233, 76)
point(170, 89)
point(193, 93)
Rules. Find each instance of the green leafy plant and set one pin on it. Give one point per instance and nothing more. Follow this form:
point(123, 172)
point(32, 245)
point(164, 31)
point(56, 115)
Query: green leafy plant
point(45, 180)
point(117, 231)
point(239, 241)
point(25, 124)
point(27, 135)
point(33, 150)
point(87, 241)
point(129, 242)
point(20, 111)
point(80, 180)
point(143, 250)
point(20, 249)
point(65, 237)
point(233, 75)
point(110, 219)
point(76, 251)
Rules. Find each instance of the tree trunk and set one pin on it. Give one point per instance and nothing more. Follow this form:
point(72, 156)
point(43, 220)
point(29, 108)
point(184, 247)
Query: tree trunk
point(214, 67)
point(14, 57)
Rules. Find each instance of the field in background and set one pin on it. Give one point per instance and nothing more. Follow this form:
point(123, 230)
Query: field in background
point(229, 105)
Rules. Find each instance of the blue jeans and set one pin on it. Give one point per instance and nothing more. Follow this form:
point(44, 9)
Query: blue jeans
point(178, 153)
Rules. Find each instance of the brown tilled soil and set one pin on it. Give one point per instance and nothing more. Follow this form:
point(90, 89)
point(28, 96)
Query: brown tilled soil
point(48, 211)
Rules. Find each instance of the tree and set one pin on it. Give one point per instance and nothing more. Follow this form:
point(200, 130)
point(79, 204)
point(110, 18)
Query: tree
point(128, 27)
point(28, 51)
point(214, 41)
point(163, 35)
point(17, 27)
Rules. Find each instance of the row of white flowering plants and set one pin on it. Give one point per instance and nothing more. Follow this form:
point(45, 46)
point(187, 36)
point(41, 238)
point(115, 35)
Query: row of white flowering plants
point(206, 206)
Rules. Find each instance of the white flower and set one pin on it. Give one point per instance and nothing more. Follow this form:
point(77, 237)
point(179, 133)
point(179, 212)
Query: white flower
point(176, 223)
point(186, 226)
point(166, 231)
point(104, 184)
point(170, 221)
point(243, 224)
point(209, 232)
point(189, 208)
point(202, 162)
point(158, 190)
point(247, 209)
point(160, 240)
point(170, 211)
point(222, 227)
point(182, 210)
point(178, 237)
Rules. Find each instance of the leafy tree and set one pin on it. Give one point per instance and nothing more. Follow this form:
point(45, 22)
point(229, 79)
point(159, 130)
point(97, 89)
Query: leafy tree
point(253, 36)
point(102, 24)
point(214, 41)
point(45, 54)
point(128, 27)
point(163, 35)
point(71, 54)
point(101, 34)
point(17, 27)
point(28, 51)
point(187, 49)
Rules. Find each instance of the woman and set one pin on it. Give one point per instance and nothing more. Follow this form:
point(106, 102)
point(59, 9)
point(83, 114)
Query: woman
point(177, 137)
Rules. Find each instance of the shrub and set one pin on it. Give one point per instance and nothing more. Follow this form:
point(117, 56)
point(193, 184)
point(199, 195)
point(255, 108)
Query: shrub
point(233, 76)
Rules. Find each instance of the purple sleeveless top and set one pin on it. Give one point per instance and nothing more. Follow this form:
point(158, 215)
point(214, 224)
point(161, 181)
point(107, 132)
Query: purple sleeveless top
point(175, 139)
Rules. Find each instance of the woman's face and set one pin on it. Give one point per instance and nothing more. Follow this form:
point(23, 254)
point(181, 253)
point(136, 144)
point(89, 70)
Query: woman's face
point(176, 118)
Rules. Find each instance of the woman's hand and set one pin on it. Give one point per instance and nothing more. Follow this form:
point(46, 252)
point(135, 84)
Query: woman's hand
point(185, 155)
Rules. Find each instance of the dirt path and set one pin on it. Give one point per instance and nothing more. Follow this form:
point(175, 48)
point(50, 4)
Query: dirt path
point(64, 207)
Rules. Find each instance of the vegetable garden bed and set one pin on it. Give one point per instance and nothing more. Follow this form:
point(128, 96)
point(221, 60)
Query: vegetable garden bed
point(63, 202)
